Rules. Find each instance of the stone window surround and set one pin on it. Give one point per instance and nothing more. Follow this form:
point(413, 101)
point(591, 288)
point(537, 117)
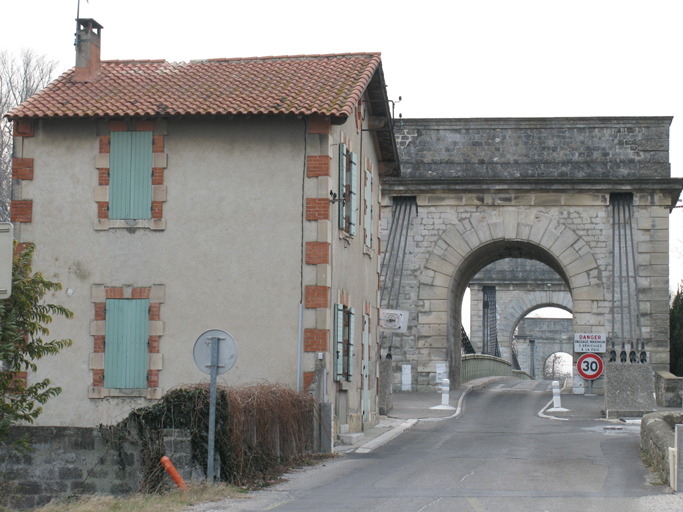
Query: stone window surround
point(159, 128)
point(99, 293)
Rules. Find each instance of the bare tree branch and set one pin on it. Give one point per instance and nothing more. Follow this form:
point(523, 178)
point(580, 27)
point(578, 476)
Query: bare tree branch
point(20, 78)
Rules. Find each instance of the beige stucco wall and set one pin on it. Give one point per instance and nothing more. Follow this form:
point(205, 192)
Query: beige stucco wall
point(230, 256)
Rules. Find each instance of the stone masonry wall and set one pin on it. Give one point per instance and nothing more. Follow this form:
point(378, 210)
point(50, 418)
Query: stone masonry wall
point(493, 189)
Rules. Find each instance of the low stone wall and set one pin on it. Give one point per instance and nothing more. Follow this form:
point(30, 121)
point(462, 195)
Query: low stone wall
point(657, 436)
point(668, 389)
point(67, 461)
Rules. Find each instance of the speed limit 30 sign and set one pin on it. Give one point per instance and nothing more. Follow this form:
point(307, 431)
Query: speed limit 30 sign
point(589, 366)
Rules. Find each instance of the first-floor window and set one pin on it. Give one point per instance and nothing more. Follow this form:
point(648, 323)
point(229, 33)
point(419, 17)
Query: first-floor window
point(126, 343)
point(344, 328)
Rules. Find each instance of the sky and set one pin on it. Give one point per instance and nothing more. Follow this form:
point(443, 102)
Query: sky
point(513, 58)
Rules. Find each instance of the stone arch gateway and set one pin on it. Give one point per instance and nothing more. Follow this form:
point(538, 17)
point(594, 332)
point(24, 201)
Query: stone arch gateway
point(489, 189)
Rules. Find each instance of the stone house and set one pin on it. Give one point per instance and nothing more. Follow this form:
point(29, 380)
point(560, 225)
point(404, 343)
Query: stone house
point(173, 198)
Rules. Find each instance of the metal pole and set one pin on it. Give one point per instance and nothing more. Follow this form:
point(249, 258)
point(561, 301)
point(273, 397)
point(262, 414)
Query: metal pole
point(621, 288)
point(613, 353)
point(212, 409)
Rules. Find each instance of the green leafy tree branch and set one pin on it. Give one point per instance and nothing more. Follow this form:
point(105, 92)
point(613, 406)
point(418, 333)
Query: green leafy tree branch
point(24, 317)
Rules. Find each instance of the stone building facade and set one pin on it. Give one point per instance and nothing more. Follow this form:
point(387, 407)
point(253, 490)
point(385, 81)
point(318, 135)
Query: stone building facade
point(490, 189)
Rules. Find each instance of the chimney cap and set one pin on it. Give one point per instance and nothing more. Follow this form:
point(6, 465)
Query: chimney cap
point(89, 23)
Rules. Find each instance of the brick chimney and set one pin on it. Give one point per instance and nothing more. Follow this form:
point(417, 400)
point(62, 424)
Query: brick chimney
point(87, 50)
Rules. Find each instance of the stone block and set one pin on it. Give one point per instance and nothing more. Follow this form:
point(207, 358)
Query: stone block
point(438, 264)
point(668, 388)
point(629, 390)
point(433, 292)
point(646, 223)
point(583, 264)
point(471, 238)
point(481, 226)
point(564, 241)
point(510, 225)
point(538, 228)
point(433, 318)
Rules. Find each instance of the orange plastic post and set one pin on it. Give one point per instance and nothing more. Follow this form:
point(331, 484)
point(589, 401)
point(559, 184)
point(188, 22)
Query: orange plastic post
point(166, 462)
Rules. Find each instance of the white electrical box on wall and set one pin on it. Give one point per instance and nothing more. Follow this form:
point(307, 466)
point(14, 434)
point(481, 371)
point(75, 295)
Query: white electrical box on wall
point(393, 320)
point(6, 255)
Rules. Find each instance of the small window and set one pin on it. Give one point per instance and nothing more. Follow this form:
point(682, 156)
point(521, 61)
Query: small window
point(348, 186)
point(344, 328)
point(367, 207)
point(130, 175)
point(126, 338)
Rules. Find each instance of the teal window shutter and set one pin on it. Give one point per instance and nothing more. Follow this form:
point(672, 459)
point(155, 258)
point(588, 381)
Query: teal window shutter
point(126, 337)
point(366, 368)
point(353, 194)
point(342, 185)
point(338, 341)
point(349, 355)
point(368, 208)
point(141, 175)
point(130, 175)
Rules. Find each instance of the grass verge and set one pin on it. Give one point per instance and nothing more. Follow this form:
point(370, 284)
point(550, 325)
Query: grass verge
point(170, 501)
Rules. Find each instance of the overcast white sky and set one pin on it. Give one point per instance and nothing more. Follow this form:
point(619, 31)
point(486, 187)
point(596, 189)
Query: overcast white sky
point(460, 58)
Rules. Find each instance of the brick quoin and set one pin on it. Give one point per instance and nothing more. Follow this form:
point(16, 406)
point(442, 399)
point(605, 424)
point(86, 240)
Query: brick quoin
point(317, 297)
point(141, 293)
point(19, 248)
point(118, 126)
point(104, 177)
point(144, 126)
point(318, 165)
point(103, 209)
point(22, 168)
point(157, 143)
point(98, 378)
point(99, 310)
point(317, 209)
point(315, 340)
point(154, 311)
point(113, 293)
point(23, 128)
point(308, 379)
point(157, 175)
point(153, 344)
point(99, 344)
point(157, 209)
point(317, 253)
point(318, 124)
point(152, 378)
point(104, 143)
point(21, 211)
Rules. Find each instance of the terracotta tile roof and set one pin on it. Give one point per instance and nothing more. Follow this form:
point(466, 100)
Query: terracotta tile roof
point(301, 84)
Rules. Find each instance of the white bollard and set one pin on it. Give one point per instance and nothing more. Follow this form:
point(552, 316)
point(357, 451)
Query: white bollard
point(557, 403)
point(445, 391)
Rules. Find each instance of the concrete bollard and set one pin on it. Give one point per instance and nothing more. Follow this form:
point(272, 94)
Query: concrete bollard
point(557, 402)
point(445, 391)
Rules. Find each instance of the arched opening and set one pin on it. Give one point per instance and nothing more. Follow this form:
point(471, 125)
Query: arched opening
point(558, 366)
point(473, 263)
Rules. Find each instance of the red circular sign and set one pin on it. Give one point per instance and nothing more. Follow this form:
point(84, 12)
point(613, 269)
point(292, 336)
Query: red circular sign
point(590, 366)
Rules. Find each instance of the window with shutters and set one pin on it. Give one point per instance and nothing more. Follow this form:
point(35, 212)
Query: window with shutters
point(130, 175)
point(344, 329)
point(348, 187)
point(126, 343)
point(367, 205)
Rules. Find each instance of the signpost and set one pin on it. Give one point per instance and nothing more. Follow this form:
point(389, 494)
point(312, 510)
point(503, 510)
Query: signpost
point(215, 352)
point(590, 367)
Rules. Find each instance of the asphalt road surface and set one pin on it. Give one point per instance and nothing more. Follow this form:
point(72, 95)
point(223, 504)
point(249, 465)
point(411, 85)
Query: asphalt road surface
point(497, 456)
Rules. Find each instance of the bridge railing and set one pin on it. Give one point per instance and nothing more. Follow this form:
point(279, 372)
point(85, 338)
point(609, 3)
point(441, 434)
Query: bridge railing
point(476, 366)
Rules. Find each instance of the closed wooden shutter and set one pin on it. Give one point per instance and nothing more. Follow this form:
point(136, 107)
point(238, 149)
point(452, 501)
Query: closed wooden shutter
point(130, 175)
point(126, 337)
point(338, 341)
point(367, 193)
point(349, 353)
point(353, 193)
point(342, 185)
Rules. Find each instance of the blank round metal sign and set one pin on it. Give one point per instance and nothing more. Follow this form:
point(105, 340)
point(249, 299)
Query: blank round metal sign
point(227, 351)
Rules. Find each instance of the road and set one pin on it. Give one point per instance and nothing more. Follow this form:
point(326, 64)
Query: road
point(497, 456)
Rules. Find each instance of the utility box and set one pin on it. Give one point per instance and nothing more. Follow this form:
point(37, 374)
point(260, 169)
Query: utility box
point(6, 255)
